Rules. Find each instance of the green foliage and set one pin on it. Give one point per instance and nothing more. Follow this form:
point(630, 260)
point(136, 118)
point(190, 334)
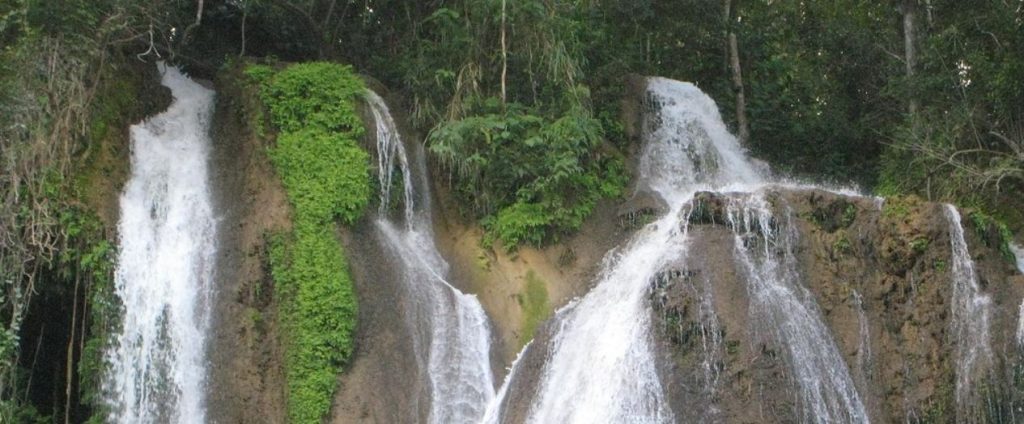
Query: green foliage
point(316, 95)
point(530, 178)
point(95, 259)
point(993, 233)
point(963, 143)
point(318, 316)
point(919, 245)
point(898, 207)
point(842, 244)
point(849, 215)
point(535, 304)
point(813, 73)
point(324, 173)
point(326, 176)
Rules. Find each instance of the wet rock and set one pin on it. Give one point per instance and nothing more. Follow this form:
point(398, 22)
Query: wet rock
point(881, 277)
point(641, 209)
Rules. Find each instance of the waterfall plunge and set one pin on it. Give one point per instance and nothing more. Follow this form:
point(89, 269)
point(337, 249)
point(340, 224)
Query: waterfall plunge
point(1018, 252)
point(970, 321)
point(600, 365)
point(165, 266)
point(451, 335)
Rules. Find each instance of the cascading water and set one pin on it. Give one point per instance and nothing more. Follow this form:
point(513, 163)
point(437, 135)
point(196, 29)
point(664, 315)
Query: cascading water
point(970, 321)
point(600, 362)
point(165, 266)
point(1018, 252)
point(787, 312)
point(450, 330)
point(601, 365)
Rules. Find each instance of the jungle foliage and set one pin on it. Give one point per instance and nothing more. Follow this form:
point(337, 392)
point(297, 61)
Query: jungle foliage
point(327, 177)
point(520, 104)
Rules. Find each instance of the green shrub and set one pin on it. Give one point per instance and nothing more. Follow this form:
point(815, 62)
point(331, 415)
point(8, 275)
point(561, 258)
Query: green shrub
point(325, 174)
point(318, 316)
point(993, 233)
point(529, 178)
point(317, 95)
point(327, 177)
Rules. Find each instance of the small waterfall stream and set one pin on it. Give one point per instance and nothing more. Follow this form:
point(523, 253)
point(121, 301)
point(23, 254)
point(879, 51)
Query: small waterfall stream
point(1018, 252)
point(970, 321)
point(450, 330)
point(165, 266)
point(787, 312)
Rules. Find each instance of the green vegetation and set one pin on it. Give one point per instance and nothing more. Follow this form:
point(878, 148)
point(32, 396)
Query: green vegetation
point(531, 179)
point(535, 304)
point(899, 207)
point(525, 151)
point(842, 244)
point(919, 245)
point(993, 233)
point(318, 315)
point(520, 101)
point(326, 176)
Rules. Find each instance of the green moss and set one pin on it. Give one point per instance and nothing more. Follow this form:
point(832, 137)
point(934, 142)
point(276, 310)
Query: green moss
point(327, 177)
point(898, 207)
point(919, 244)
point(849, 215)
point(535, 304)
point(842, 244)
point(993, 233)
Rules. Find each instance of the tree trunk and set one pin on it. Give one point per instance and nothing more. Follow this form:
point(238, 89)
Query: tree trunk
point(737, 86)
point(909, 49)
point(70, 365)
point(504, 55)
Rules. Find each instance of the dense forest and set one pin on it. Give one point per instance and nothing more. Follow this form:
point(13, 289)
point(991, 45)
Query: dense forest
point(518, 104)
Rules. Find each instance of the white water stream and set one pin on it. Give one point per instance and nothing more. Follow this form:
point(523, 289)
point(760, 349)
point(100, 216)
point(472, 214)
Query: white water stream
point(1018, 252)
point(451, 332)
point(600, 364)
point(970, 322)
point(786, 311)
point(165, 266)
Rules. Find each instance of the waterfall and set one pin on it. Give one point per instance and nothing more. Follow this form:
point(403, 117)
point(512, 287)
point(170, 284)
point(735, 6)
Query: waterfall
point(451, 335)
point(493, 413)
point(787, 312)
point(601, 364)
point(1018, 252)
point(165, 265)
point(970, 321)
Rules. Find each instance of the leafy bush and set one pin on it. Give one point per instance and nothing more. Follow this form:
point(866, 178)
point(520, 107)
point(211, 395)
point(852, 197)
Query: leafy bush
point(326, 176)
point(316, 95)
point(318, 310)
point(530, 178)
point(994, 233)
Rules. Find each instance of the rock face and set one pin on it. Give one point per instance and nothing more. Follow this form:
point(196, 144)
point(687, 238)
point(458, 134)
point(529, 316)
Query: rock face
point(247, 380)
point(881, 275)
